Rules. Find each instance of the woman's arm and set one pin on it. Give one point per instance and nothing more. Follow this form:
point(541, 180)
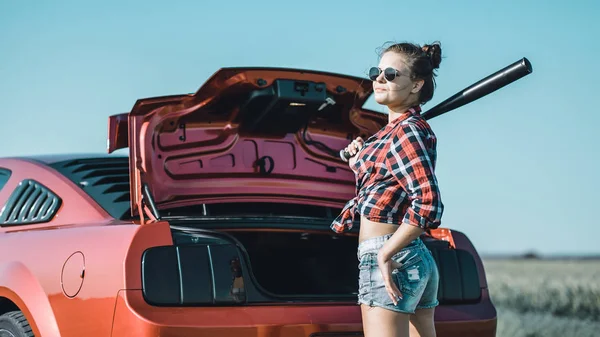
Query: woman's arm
point(410, 163)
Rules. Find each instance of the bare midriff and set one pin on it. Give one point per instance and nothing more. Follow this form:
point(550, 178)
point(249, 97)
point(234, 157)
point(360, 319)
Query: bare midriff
point(370, 229)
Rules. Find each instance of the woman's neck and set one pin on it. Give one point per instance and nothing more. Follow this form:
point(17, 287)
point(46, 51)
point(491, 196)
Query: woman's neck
point(395, 111)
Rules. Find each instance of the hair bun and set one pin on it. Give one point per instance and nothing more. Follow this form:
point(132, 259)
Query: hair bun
point(434, 53)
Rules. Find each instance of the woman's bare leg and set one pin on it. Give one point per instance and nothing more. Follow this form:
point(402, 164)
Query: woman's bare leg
point(379, 322)
point(422, 324)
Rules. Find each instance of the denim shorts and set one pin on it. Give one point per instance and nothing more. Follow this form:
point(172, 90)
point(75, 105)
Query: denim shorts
point(417, 278)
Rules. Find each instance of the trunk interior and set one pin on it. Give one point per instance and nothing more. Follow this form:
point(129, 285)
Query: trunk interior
point(269, 263)
point(302, 263)
point(286, 264)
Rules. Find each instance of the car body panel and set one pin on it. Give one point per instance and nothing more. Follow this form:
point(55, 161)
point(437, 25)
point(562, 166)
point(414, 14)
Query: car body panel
point(22, 287)
point(132, 314)
point(80, 225)
point(43, 290)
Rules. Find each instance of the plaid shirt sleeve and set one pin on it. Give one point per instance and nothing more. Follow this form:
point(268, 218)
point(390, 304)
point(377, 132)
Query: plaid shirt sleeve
point(411, 160)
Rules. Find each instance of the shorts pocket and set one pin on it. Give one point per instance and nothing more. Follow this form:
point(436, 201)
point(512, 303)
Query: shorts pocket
point(407, 258)
point(364, 274)
point(411, 277)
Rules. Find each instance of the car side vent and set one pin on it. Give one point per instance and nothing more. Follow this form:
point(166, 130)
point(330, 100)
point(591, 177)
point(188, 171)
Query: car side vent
point(106, 180)
point(30, 202)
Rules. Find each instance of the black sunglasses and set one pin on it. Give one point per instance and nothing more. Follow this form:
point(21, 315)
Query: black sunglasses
point(389, 73)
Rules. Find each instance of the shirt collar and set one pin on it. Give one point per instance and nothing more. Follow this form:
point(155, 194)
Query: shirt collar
point(412, 111)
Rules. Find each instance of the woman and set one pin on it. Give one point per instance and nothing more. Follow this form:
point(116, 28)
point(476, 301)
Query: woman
point(398, 198)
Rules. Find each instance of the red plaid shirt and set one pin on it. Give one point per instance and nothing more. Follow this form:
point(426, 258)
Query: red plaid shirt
point(395, 179)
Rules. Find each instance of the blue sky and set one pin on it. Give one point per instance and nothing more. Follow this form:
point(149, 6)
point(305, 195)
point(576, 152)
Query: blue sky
point(518, 169)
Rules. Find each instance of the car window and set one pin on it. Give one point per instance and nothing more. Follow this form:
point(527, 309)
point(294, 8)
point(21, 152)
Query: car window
point(4, 175)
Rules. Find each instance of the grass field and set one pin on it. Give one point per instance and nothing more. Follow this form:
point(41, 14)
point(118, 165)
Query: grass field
point(545, 297)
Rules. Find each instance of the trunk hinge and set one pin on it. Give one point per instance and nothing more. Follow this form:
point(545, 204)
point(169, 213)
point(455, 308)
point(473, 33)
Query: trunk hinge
point(148, 206)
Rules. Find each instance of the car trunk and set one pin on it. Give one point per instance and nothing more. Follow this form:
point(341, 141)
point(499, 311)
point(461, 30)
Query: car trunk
point(273, 264)
point(266, 134)
point(251, 260)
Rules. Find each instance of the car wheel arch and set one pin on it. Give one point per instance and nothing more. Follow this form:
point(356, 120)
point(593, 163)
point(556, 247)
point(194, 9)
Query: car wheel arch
point(6, 305)
point(19, 288)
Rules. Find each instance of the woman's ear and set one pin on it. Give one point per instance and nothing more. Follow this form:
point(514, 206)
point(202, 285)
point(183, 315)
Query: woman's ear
point(417, 85)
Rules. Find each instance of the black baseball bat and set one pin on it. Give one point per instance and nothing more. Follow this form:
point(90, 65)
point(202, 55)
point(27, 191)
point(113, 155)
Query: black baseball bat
point(475, 91)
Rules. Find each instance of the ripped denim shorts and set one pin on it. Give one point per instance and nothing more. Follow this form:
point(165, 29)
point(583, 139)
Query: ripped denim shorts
point(417, 278)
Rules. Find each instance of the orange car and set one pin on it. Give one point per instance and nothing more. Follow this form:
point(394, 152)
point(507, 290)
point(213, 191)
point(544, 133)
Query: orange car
point(215, 224)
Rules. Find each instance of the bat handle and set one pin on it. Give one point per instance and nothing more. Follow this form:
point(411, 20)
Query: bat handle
point(345, 155)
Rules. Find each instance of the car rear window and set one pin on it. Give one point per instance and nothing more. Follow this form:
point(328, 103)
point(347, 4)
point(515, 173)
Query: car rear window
point(106, 180)
point(4, 176)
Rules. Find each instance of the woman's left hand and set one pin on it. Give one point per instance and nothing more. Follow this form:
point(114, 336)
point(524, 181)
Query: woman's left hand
point(386, 268)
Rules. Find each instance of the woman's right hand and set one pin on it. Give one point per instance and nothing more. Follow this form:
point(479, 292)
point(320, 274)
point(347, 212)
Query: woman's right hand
point(353, 149)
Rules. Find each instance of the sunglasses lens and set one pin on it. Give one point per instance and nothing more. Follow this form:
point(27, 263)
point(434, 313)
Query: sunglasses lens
point(373, 73)
point(389, 73)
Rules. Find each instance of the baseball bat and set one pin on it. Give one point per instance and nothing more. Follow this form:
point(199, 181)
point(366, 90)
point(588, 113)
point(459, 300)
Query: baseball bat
point(475, 91)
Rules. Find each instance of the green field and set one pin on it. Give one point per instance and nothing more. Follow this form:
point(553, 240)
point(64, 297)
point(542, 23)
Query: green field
point(545, 297)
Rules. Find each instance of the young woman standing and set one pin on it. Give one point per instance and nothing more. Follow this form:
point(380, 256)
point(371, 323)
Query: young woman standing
point(398, 198)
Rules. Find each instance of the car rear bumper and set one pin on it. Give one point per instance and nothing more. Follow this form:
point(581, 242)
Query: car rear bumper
point(478, 328)
point(478, 319)
point(133, 317)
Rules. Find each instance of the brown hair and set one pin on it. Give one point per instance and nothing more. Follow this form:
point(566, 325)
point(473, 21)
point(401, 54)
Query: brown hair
point(422, 62)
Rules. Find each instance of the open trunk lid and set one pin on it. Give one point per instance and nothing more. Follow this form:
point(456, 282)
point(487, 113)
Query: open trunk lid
point(264, 134)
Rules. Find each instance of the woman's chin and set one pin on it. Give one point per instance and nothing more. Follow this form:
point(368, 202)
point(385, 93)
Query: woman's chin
point(381, 99)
